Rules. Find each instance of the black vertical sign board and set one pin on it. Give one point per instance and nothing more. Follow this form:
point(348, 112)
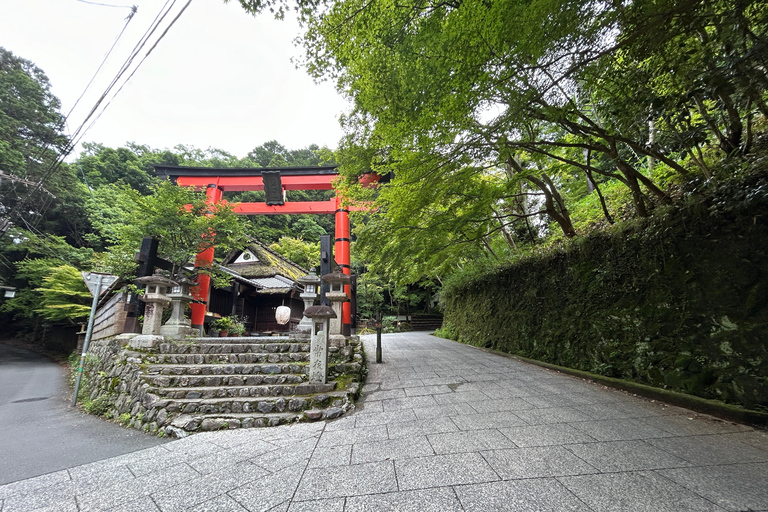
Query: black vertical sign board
point(353, 300)
point(147, 258)
point(326, 260)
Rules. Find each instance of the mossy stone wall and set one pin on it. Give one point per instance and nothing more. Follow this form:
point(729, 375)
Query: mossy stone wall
point(679, 302)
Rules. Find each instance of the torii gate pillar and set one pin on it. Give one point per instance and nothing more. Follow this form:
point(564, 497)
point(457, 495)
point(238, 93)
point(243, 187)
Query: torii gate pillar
point(341, 249)
point(201, 292)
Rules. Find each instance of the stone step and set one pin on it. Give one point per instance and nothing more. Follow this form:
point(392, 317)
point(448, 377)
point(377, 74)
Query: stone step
point(227, 369)
point(184, 381)
point(228, 421)
point(212, 347)
point(262, 405)
point(227, 358)
point(208, 422)
point(205, 392)
point(243, 339)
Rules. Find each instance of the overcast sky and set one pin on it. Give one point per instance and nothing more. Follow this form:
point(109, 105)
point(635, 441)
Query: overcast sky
point(220, 77)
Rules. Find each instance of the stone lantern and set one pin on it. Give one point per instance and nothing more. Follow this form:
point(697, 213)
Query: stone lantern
point(179, 326)
point(336, 280)
point(156, 298)
point(311, 284)
point(318, 352)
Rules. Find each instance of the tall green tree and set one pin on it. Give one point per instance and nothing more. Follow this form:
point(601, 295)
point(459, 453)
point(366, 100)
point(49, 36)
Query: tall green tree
point(180, 217)
point(530, 96)
point(31, 139)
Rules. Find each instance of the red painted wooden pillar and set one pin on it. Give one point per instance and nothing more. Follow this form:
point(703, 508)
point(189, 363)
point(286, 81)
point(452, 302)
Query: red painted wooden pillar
point(201, 292)
point(341, 249)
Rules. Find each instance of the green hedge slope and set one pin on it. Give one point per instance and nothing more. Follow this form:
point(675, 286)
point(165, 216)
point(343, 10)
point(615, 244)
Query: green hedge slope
point(679, 302)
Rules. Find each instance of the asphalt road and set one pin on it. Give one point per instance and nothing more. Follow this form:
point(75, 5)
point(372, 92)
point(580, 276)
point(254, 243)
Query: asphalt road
point(40, 432)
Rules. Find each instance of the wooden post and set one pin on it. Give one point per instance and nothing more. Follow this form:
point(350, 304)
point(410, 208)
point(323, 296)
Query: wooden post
point(378, 336)
point(147, 258)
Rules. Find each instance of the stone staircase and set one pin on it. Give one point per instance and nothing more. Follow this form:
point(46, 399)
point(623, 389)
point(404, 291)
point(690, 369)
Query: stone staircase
point(426, 322)
point(223, 383)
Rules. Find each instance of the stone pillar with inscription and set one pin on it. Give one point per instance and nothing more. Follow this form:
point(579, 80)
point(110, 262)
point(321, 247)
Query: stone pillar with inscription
point(318, 351)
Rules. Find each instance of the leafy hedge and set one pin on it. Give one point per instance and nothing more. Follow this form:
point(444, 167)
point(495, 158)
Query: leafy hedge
point(679, 301)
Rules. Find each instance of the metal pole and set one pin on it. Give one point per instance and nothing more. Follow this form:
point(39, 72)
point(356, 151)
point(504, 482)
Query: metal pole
point(378, 336)
point(88, 333)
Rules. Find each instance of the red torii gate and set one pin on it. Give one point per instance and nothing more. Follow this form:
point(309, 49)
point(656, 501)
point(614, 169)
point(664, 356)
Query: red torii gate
point(274, 181)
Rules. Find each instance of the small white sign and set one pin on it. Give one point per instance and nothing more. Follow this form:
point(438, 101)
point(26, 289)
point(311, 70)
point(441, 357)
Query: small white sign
point(92, 279)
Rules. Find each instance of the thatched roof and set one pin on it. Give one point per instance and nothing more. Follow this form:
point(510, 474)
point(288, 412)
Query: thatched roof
point(259, 261)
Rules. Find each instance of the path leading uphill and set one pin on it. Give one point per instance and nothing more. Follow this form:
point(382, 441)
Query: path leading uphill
point(441, 427)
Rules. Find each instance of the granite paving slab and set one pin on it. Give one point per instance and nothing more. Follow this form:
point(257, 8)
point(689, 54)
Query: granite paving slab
point(546, 435)
point(442, 499)
point(441, 470)
point(440, 427)
point(536, 462)
point(635, 492)
point(735, 487)
point(352, 480)
point(535, 495)
point(625, 456)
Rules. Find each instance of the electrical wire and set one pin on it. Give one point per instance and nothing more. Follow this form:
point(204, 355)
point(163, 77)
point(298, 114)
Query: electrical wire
point(126, 65)
point(120, 35)
point(105, 5)
point(81, 131)
point(134, 70)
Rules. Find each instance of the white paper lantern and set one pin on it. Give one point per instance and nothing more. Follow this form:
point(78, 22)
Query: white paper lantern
point(283, 314)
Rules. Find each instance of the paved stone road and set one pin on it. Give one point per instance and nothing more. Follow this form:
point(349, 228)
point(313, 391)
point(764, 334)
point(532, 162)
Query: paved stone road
point(443, 427)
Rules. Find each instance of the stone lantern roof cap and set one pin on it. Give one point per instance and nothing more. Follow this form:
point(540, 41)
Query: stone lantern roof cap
point(337, 276)
point(310, 278)
point(182, 280)
point(156, 279)
point(319, 312)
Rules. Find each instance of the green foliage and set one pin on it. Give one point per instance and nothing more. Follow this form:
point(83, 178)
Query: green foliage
point(306, 254)
point(30, 122)
point(100, 406)
point(447, 331)
point(224, 323)
point(101, 166)
point(64, 295)
point(274, 154)
point(179, 217)
point(370, 294)
point(238, 327)
point(36, 259)
point(491, 126)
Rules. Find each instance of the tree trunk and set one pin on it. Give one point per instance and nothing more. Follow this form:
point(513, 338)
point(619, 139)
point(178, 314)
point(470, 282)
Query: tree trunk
point(551, 197)
point(604, 206)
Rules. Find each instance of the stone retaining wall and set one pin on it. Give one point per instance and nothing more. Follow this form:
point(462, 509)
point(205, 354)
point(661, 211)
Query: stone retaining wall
point(118, 383)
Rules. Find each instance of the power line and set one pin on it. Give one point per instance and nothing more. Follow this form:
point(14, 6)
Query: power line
point(107, 5)
point(126, 65)
point(134, 70)
point(120, 35)
point(80, 132)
